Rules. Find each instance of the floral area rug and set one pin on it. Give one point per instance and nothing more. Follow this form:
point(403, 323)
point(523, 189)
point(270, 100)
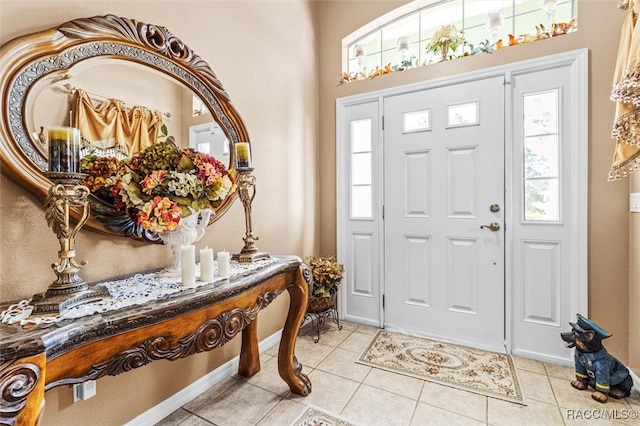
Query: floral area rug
point(487, 373)
point(314, 416)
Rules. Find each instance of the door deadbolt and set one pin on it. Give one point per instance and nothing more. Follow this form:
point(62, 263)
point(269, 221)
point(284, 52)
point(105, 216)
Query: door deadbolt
point(494, 208)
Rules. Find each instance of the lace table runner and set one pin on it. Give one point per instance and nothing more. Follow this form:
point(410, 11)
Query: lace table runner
point(136, 290)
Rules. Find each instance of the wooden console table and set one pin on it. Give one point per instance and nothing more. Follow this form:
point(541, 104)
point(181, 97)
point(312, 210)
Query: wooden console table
point(35, 360)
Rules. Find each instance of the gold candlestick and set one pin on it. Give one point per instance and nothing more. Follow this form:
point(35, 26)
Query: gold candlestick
point(247, 183)
point(69, 289)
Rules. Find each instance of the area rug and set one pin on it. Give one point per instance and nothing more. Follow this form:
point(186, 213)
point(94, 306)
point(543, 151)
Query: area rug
point(314, 416)
point(487, 373)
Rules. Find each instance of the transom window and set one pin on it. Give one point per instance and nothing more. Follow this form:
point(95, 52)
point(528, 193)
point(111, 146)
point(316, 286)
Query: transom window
point(402, 39)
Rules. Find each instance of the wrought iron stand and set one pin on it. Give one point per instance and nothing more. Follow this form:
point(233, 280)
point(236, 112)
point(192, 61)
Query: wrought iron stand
point(318, 310)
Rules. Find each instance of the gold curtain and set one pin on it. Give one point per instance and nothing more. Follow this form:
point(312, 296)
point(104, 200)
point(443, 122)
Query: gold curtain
point(626, 94)
point(111, 125)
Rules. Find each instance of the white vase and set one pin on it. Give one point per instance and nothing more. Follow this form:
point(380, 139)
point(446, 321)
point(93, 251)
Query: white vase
point(190, 230)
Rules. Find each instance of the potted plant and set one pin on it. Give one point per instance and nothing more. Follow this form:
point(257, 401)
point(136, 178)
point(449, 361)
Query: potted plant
point(327, 277)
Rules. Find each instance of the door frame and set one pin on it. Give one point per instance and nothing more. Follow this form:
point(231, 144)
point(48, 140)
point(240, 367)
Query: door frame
point(578, 61)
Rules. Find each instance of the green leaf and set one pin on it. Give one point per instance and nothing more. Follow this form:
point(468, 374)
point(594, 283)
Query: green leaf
point(185, 165)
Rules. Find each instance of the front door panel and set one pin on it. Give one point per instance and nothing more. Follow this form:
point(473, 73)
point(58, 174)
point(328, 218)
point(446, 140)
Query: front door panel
point(444, 231)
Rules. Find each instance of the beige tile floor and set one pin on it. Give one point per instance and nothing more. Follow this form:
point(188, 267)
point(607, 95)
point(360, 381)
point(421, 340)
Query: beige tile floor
point(369, 396)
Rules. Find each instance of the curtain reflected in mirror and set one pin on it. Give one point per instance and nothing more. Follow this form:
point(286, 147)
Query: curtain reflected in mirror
point(111, 127)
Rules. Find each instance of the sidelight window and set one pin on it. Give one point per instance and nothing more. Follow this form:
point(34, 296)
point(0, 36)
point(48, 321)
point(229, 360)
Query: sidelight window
point(541, 157)
point(361, 187)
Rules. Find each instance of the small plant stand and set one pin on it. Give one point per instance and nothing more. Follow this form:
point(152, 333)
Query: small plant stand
point(321, 308)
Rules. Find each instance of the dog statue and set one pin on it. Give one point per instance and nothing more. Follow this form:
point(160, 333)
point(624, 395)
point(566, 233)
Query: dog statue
point(594, 366)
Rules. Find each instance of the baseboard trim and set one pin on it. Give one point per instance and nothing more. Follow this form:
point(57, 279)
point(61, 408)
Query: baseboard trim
point(168, 406)
point(544, 358)
point(360, 320)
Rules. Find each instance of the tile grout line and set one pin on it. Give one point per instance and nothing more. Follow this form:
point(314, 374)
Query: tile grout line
point(555, 397)
point(415, 409)
point(270, 410)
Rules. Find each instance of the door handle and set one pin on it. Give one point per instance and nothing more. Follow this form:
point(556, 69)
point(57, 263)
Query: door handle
point(493, 226)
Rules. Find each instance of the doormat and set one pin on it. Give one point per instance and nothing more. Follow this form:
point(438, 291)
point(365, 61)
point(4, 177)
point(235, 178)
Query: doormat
point(486, 373)
point(314, 416)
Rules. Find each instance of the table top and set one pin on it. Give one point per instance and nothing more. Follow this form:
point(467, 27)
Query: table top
point(18, 341)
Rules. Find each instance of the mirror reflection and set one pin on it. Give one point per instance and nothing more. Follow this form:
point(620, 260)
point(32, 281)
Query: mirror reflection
point(127, 85)
point(120, 108)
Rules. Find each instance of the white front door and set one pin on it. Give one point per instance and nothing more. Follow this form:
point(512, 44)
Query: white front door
point(443, 212)
point(412, 198)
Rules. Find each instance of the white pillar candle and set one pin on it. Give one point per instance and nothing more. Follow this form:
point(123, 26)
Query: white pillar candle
point(188, 265)
point(206, 265)
point(223, 264)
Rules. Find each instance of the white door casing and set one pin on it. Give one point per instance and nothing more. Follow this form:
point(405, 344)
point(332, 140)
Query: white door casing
point(525, 333)
point(444, 266)
point(210, 139)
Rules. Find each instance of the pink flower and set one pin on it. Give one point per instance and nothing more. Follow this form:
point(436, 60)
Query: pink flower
point(159, 214)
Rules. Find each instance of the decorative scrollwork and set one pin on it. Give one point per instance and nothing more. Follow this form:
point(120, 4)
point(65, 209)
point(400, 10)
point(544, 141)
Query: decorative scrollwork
point(211, 334)
point(308, 276)
point(16, 383)
point(155, 37)
point(265, 299)
point(54, 212)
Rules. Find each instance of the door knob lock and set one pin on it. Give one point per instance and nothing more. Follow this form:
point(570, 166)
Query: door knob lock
point(495, 208)
point(493, 226)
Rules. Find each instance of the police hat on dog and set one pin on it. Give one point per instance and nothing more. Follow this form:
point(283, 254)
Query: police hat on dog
point(586, 324)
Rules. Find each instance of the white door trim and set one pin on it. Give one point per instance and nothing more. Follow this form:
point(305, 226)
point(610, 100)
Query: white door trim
point(577, 61)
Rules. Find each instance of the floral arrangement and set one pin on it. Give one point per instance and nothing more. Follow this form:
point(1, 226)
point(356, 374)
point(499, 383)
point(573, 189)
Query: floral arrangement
point(160, 185)
point(448, 37)
point(327, 275)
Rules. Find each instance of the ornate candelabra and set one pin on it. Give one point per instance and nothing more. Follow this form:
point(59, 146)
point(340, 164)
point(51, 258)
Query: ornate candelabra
point(247, 192)
point(68, 290)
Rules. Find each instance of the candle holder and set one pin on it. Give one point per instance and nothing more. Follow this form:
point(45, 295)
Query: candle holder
point(247, 184)
point(68, 290)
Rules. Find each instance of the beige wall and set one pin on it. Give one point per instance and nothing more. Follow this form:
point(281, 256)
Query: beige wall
point(294, 51)
point(264, 54)
point(634, 283)
point(608, 215)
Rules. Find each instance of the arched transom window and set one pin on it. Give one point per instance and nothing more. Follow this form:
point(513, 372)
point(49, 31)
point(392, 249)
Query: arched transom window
point(405, 35)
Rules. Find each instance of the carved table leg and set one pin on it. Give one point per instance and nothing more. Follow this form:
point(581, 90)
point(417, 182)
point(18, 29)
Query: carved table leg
point(22, 390)
point(249, 353)
point(288, 366)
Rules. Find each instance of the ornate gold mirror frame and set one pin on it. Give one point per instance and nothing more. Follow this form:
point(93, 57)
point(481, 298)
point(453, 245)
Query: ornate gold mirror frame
point(26, 60)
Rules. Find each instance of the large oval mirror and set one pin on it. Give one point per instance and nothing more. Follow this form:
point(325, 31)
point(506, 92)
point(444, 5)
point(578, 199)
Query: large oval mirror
point(106, 58)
